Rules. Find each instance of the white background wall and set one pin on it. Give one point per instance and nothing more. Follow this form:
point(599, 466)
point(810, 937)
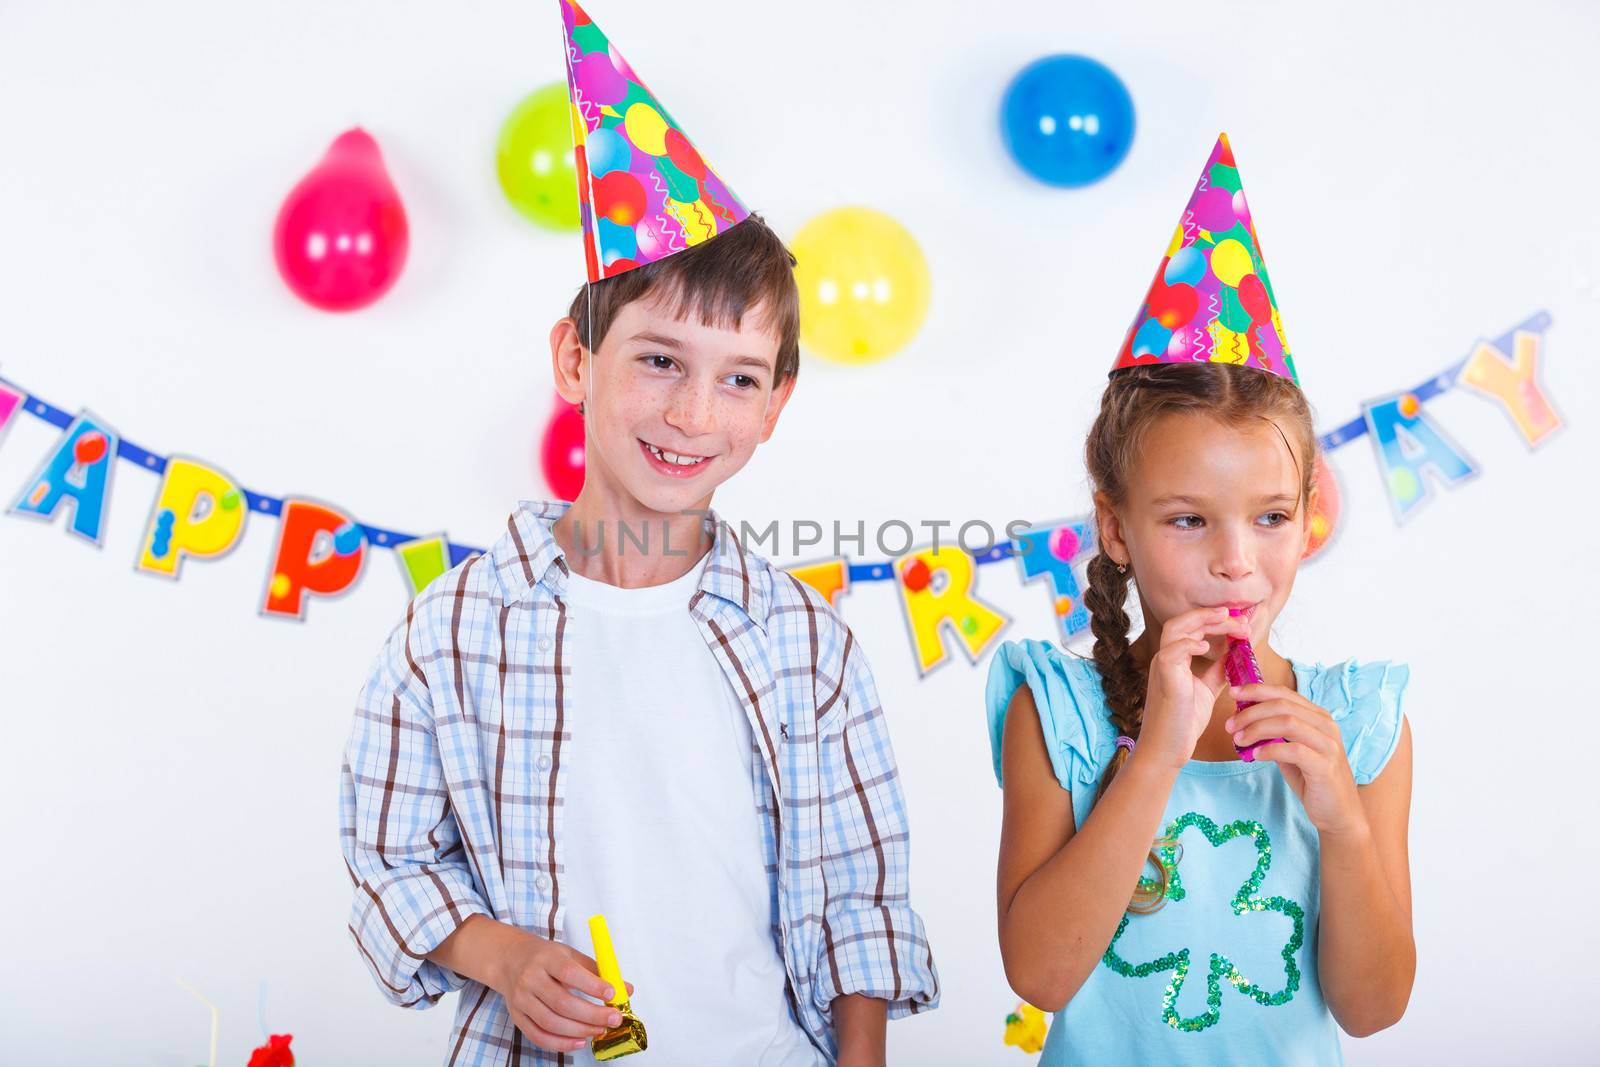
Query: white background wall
point(1421, 175)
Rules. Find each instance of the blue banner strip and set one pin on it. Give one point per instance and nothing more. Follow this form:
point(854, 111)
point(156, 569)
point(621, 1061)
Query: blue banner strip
point(859, 572)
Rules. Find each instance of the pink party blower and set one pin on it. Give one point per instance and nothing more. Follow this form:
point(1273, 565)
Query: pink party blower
point(1243, 669)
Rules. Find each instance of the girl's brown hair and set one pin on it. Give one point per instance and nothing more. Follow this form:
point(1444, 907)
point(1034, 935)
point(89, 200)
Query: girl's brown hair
point(1134, 400)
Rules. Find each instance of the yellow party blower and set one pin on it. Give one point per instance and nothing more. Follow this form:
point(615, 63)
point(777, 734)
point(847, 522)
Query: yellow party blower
point(629, 1037)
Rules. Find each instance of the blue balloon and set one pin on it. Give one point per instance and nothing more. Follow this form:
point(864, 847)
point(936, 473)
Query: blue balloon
point(605, 151)
point(1152, 339)
point(1067, 120)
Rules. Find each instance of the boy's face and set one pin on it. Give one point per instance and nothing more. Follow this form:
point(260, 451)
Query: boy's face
point(672, 408)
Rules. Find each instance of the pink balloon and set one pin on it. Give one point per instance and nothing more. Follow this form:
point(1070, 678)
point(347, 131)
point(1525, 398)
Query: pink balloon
point(1213, 210)
point(341, 236)
point(561, 453)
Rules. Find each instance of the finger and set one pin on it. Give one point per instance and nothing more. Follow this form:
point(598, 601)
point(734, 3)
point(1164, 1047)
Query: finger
point(1289, 753)
point(1181, 651)
point(543, 1038)
point(1205, 621)
point(580, 972)
point(587, 1012)
point(553, 1021)
point(1312, 718)
point(1190, 623)
point(1280, 726)
point(1259, 691)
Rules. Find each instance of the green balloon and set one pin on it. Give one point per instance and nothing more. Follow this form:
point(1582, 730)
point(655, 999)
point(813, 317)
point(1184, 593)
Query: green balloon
point(680, 186)
point(588, 38)
point(1231, 310)
point(534, 159)
point(1225, 177)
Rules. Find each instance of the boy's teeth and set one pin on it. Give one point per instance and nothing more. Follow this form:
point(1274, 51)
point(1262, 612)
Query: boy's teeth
point(673, 457)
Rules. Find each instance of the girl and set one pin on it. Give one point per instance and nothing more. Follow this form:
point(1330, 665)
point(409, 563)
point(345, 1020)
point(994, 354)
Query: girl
point(1169, 901)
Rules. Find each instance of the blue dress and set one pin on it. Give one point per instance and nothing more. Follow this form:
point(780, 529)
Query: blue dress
point(1226, 970)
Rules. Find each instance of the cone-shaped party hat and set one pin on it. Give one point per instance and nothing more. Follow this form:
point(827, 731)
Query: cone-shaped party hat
point(644, 190)
point(1211, 300)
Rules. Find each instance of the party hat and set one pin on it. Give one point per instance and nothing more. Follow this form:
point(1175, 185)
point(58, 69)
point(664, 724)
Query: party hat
point(1211, 300)
point(644, 190)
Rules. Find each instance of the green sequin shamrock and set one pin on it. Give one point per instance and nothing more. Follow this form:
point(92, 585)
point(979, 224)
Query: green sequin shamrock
point(1247, 899)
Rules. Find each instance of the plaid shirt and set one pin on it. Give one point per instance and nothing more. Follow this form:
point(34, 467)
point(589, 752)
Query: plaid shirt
point(453, 785)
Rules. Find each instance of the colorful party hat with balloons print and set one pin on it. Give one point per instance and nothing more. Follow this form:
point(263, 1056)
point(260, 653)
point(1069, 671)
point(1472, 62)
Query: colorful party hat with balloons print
point(644, 190)
point(1211, 300)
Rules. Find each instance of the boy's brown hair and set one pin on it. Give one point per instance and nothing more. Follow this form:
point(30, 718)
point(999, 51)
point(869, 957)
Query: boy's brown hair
point(744, 267)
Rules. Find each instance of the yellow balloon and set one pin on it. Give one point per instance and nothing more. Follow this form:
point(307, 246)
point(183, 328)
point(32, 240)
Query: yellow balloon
point(697, 221)
point(646, 129)
point(1230, 261)
point(1176, 242)
point(1227, 346)
point(864, 285)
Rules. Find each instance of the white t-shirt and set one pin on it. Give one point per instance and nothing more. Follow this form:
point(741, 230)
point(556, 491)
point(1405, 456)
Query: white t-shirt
point(661, 832)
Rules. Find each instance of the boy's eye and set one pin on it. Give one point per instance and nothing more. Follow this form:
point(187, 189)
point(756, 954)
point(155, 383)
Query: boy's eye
point(743, 381)
point(1187, 522)
point(658, 362)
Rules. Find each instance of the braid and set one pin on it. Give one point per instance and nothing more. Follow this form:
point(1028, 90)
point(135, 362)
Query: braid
point(1124, 685)
point(1120, 676)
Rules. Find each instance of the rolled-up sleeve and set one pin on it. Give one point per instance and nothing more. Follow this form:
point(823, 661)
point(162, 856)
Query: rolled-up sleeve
point(874, 943)
point(412, 884)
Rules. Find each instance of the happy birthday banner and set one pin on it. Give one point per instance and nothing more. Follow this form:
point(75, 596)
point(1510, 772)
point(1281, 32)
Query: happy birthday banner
point(200, 512)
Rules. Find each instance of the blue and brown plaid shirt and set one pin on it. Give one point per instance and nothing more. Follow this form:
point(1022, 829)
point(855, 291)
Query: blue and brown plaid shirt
point(453, 786)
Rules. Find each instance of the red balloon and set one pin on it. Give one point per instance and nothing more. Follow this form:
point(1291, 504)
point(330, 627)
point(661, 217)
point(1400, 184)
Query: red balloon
point(917, 576)
point(561, 453)
point(341, 236)
point(618, 196)
point(1253, 296)
point(89, 448)
point(683, 155)
point(1174, 305)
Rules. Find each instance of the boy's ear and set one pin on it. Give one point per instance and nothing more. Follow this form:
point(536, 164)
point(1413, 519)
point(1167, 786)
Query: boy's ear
point(566, 360)
point(780, 397)
point(1108, 529)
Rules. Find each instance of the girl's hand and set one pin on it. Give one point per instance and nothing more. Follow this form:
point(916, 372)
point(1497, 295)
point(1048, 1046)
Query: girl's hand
point(1178, 701)
point(1311, 757)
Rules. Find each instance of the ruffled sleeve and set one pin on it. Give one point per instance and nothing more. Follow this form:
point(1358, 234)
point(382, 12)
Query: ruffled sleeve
point(1072, 709)
point(1365, 700)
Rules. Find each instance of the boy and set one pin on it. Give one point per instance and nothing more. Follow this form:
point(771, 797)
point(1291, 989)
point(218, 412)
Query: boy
point(619, 709)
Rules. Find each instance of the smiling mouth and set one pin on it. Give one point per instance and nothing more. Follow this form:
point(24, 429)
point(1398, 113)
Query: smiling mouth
point(672, 462)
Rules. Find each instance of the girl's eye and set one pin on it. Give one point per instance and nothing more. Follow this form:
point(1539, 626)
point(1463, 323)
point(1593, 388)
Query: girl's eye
point(1276, 518)
point(1183, 522)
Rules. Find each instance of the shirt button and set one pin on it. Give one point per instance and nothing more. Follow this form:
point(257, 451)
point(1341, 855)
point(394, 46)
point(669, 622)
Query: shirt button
point(544, 763)
point(543, 882)
point(545, 644)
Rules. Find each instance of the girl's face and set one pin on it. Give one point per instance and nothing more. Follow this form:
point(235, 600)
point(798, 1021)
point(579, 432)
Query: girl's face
point(1213, 517)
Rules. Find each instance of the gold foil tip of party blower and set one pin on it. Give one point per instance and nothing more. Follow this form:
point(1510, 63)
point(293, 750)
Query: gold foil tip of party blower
point(628, 1038)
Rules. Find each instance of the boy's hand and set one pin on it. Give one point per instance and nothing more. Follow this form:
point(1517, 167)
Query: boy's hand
point(537, 979)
